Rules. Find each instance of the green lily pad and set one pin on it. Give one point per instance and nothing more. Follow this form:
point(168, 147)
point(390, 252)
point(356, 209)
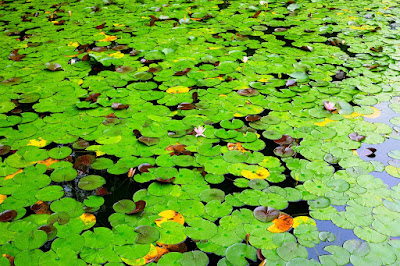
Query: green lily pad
point(212, 194)
point(147, 234)
point(60, 152)
point(102, 163)
point(171, 233)
point(30, 240)
point(63, 174)
point(200, 229)
point(237, 254)
point(91, 182)
point(50, 193)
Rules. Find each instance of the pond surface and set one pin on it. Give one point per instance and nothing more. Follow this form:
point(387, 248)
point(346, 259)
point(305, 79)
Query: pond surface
point(199, 132)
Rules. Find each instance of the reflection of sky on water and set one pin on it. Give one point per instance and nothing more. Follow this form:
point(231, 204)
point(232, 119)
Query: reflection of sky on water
point(381, 155)
point(382, 149)
point(341, 236)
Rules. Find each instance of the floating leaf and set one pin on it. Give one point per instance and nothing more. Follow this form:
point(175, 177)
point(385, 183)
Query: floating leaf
point(53, 66)
point(170, 215)
point(63, 174)
point(265, 214)
point(281, 224)
point(260, 173)
point(178, 89)
point(237, 254)
point(60, 152)
point(8, 215)
point(91, 182)
point(147, 234)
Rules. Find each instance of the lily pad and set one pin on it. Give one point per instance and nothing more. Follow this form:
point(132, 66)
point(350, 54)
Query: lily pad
point(91, 182)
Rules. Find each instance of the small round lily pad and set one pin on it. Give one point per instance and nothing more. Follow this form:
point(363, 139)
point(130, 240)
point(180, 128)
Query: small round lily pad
point(60, 152)
point(91, 182)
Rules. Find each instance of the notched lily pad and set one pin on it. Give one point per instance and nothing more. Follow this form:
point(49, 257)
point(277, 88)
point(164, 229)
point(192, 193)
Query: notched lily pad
point(356, 137)
point(147, 234)
point(265, 214)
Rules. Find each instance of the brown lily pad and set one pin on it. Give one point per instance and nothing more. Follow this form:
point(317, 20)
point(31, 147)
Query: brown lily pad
point(123, 69)
point(149, 141)
point(92, 97)
point(40, 207)
point(165, 180)
point(102, 191)
point(99, 49)
point(8, 215)
point(119, 106)
point(284, 140)
point(14, 56)
point(248, 92)
point(53, 66)
point(284, 151)
point(186, 106)
point(252, 118)
point(4, 149)
point(265, 214)
point(144, 167)
point(140, 205)
point(356, 137)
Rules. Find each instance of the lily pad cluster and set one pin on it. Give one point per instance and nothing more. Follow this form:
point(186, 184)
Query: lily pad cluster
point(221, 117)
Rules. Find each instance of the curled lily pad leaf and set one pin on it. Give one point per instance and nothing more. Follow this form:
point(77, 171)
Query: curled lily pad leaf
point(186, 106)
point(284, 151)
point(4, 149)
point(149, 141)
point(58, 217)
point(53, 66)
point(252, 118)
point(284, 140)
point(165, 180)
point(40, 207)
point(8, 215)
point(248, 92)
point(356, 137)
point(119, 106)
point(50, 230)
point(139, 207)
point(265, 214)
point(144, 167)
